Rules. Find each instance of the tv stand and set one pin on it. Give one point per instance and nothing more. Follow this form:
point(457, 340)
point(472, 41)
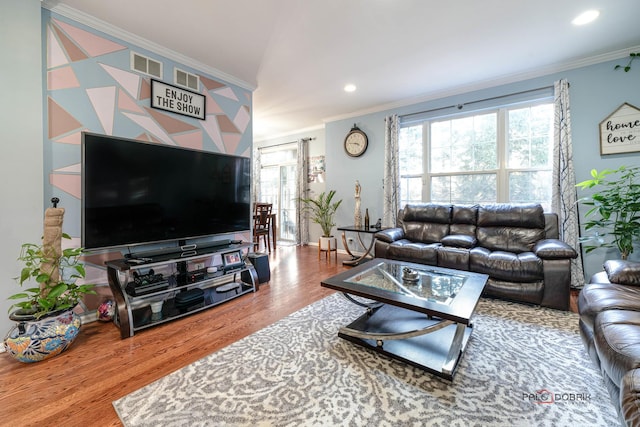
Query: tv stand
point(152, 290)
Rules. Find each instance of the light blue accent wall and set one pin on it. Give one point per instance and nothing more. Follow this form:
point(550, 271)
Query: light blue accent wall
point(76, 102)
point(595, 92)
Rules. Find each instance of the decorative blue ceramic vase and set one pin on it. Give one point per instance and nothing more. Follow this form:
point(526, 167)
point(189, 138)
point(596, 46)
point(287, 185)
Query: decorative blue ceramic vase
point(34, 340)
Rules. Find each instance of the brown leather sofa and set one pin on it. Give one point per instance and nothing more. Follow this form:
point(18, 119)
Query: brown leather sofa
point(515, 244)
point(609, 307)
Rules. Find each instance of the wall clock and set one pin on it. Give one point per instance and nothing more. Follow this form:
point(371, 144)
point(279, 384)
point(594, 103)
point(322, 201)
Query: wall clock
point(356, 142)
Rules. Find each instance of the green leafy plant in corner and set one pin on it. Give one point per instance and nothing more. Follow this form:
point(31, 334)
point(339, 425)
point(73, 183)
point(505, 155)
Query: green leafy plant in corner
point(627, 67)
point(615, 209)
point(323, 210)
point(55, 275)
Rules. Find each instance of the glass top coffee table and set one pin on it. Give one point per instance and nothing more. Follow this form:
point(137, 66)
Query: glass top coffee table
point(416, 313)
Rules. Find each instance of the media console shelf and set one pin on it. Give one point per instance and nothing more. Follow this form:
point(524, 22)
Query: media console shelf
point(152, 291)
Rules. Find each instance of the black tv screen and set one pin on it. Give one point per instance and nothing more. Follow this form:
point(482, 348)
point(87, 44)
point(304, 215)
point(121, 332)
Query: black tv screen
point(137, 193)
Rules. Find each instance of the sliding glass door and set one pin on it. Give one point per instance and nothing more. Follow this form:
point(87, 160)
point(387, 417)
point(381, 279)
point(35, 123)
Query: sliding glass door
point(278, 186)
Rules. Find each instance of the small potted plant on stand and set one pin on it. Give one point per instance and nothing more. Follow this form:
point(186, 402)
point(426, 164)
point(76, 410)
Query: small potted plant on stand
point(615, 209)
point(323, 210)
point(46, 324)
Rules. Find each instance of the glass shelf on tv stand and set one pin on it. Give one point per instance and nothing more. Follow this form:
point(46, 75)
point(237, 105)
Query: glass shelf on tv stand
point(134, 312)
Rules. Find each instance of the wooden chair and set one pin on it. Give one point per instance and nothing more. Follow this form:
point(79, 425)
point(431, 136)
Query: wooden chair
point(262, 225)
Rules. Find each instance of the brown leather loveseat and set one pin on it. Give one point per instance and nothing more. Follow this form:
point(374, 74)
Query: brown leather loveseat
point(515, 244)
point(609, 307)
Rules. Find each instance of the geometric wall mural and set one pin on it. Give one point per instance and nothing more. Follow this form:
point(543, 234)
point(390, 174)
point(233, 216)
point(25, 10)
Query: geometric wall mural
point(91, 87)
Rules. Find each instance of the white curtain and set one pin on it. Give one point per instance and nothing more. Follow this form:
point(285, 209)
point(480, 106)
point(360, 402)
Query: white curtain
point(302, 231)
point(564, 198)
point(255, 176)
point(391, 181)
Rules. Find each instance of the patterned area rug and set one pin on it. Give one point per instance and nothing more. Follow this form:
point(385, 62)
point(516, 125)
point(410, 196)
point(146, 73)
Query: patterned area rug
point(523, 366)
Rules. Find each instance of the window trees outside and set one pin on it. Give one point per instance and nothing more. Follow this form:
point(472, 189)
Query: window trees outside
point(502, 155)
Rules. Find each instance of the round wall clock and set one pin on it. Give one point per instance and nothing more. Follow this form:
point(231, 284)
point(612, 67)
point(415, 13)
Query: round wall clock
point(355, 143)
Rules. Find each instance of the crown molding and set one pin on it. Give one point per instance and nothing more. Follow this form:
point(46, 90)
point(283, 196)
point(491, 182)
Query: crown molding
point(486, 84)
point(143, 43)
point(286, 134)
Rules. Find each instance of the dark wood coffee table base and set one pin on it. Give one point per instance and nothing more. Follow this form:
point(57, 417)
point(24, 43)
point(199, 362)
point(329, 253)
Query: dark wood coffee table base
point(438, 352)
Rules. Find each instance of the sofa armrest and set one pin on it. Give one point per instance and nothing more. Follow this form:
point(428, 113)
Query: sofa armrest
point(554, 249)
point(390, 235)
point(623, 272)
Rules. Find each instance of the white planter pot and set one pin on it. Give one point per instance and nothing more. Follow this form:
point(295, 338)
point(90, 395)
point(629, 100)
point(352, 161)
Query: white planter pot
point(328, 243)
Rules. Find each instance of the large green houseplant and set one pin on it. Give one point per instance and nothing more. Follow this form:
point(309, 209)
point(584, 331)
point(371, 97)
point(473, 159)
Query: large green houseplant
point(46, 324)
point(323, 210)
point(55, 274)
point(614, 214)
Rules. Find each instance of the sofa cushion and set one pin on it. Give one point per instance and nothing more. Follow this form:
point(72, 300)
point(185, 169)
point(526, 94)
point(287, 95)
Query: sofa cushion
point(426, 223)
point(450, 257)
point(508, 215)
point(522, 267)
point(463, 220)
point(597, 297)
point(530, 292)
point(617, 341)
point(512, 228)
point(623, 272)
point(406, 250)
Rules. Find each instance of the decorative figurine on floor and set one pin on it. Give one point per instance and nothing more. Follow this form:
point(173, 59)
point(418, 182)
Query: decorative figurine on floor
point(358, 212)
point(106, 310)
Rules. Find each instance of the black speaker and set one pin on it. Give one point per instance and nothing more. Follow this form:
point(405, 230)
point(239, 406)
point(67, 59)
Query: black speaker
point(261, 264)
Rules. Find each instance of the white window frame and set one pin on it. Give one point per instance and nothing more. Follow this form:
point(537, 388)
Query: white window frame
point(501, 173)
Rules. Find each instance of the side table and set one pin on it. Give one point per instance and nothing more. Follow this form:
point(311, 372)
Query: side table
point(360, 231)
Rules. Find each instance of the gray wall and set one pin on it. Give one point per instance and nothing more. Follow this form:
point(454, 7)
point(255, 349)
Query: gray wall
point(595, 92)
point(21, 165)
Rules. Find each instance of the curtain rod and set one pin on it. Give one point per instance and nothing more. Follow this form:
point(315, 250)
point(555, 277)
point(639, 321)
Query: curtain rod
point(286, 143)
point(460, 106)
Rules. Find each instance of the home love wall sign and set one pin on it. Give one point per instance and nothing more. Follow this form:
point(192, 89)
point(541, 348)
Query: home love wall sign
point(177, 100)
point(620, 132)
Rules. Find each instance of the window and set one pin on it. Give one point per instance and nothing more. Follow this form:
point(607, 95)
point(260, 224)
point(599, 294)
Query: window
point(499, 155)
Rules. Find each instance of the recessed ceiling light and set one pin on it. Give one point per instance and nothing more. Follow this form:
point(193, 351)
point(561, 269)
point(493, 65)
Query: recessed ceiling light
point(586, 17)
point(350, 88)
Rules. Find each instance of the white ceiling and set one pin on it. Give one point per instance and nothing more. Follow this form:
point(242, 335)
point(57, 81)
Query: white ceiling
point(299, 54)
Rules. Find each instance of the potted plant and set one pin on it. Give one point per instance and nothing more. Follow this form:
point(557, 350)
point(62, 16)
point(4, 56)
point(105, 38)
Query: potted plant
point(323, 210)
point(615, 209)
point(46, 324)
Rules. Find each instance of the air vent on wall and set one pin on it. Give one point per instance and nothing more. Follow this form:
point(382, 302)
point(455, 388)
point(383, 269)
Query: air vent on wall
point(146, 65)
point(182, 78)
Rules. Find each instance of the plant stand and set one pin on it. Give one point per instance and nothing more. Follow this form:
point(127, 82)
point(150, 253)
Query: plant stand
point(328, 245)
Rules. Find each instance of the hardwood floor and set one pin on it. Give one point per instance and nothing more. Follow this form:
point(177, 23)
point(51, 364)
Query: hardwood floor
point(77, 387)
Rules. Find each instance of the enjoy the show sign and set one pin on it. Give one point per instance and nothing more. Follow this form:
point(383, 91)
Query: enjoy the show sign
point(177, 100)
point(620, 132)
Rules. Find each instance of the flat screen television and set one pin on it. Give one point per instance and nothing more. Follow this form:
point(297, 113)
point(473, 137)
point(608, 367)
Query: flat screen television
point(139, 193)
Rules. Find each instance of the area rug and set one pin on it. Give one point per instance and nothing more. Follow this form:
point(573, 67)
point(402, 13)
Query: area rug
point(523, 366)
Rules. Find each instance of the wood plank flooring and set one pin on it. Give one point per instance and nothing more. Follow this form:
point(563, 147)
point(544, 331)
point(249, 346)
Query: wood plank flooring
point(77, 387)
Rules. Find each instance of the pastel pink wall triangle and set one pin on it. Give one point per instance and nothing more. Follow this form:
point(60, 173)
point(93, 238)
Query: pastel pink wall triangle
point(93, 44)
point(62, 78)
point(67, 183)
